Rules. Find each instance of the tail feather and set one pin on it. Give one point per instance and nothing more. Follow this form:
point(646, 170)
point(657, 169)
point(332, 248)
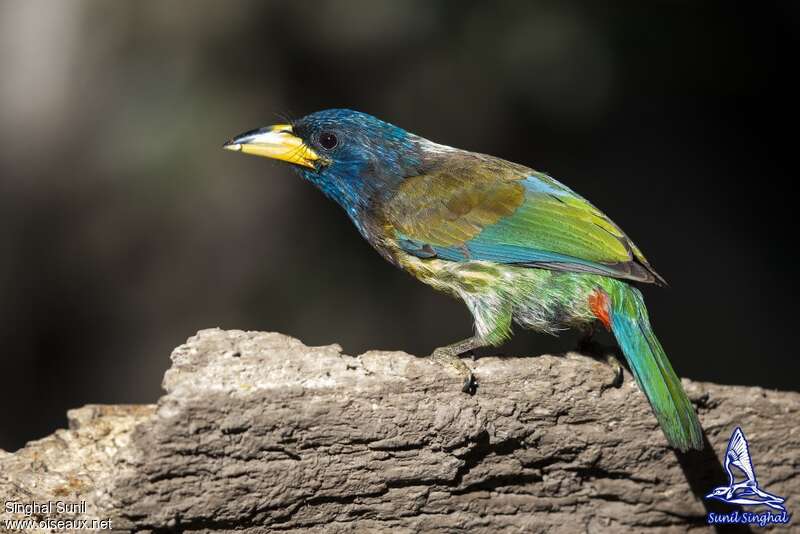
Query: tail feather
point(652, 370)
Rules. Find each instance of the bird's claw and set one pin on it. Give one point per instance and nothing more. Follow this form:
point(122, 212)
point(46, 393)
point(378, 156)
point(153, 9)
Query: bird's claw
point(448, 358)
point(616, 368)
point(606, 355)
point(470, 384)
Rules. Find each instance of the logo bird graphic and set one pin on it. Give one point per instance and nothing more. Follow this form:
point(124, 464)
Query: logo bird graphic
point(747, 491)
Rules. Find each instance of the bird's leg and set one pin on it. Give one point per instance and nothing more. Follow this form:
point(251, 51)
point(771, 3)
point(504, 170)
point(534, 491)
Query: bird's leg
point(448, 356)
point(613, 362)
point(586, 342)
point(587, 345)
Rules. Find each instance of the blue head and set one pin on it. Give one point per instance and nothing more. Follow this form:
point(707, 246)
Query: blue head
point(351, 156)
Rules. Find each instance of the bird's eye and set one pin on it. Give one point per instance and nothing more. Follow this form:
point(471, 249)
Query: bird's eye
point(328, 140)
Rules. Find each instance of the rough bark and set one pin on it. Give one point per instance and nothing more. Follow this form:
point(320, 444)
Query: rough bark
point(260, 433)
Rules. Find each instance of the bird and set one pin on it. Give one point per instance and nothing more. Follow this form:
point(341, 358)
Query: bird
point(514, 244)
point(747, 491)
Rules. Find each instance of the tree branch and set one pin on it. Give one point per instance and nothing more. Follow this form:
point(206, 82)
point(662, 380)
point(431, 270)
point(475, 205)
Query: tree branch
point(259, 431)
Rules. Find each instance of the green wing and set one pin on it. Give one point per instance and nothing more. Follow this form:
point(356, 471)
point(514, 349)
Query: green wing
point(488, 209)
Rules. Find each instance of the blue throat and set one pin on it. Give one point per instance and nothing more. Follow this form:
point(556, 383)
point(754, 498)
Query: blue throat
point(343, 187)
point(359, 174)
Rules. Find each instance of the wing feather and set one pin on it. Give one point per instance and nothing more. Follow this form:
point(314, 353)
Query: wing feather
point(484, 208)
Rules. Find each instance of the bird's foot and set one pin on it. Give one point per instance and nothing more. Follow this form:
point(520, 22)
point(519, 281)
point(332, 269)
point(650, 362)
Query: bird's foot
point(616, 381)
point(606, 355)
point(448, 357)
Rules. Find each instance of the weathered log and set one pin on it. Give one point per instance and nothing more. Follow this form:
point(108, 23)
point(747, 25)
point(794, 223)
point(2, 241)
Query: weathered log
point(259, 432)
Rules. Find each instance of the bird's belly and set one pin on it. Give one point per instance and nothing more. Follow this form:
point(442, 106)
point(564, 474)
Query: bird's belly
point(538, 299)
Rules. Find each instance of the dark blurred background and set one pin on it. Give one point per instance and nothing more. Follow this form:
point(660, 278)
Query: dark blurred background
point(125, 228)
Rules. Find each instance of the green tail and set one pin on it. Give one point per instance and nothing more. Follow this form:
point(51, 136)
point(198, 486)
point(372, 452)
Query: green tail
point(652, 369)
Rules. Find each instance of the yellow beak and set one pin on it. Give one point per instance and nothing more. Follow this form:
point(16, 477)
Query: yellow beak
point(276, 142)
